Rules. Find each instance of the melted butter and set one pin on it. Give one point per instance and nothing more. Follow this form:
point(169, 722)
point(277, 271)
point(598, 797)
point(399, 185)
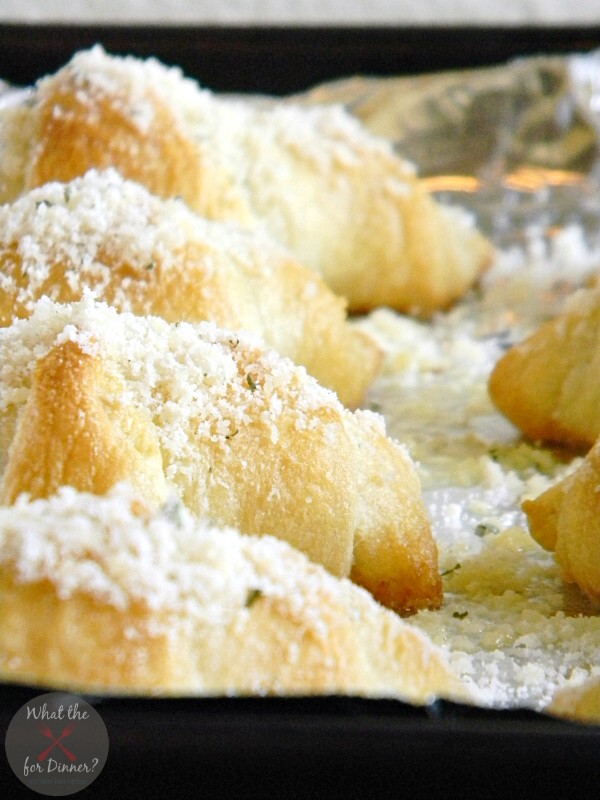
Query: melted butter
point(513, 629)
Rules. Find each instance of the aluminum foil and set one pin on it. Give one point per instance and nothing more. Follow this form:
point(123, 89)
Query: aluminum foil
point(518, 144)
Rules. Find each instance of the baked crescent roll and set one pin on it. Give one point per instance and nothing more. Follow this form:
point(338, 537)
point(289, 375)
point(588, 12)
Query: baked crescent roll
point(566, 519)
point(107, 594)
point(152, 256)
point(549, 384)
point(314, 178)
point(579, 703)
point(90, 397)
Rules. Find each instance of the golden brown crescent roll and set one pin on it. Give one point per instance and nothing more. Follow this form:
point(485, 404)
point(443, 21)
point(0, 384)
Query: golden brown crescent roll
point(152, 256)
point(314, 178)
point(566, 519)
point(107, 594)
point(549, 384)
point(579, 703)
point(90, 397)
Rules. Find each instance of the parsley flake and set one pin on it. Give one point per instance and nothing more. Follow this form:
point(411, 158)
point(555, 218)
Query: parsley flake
point(450, 571)
point(486, 527)
point(173, 511)
point(252, 596)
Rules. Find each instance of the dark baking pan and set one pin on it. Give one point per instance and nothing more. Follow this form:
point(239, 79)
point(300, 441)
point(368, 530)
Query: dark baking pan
point(280, 60)
point(313, 747)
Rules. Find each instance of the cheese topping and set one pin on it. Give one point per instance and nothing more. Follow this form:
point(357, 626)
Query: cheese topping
point(513, 629)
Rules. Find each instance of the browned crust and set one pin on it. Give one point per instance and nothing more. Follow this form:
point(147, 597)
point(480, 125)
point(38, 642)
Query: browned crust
point(360, 505)
point(374, 242)
point(548, 385)
point(566, 519)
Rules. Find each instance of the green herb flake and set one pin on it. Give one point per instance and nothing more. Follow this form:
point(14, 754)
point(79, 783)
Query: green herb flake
point(173, 511)
point(450, 571)
point(459, 615)
point(494, 454)
point(150, 265)
point(252, 596)
point(484, 528)
point(251, 384)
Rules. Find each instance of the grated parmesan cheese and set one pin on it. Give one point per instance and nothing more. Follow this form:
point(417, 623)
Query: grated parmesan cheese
point(195, 386)
point(513, 630)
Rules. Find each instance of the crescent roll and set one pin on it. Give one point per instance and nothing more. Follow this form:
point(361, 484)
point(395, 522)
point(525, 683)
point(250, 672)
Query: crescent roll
point(108, 594)
point(152, 256)
point(314, 178)
point(566, 519)
point(90, 397)
point(579, 703)
point(549, 384)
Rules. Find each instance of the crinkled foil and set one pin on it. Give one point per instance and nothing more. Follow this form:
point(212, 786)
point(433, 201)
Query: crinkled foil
point(518, 144)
